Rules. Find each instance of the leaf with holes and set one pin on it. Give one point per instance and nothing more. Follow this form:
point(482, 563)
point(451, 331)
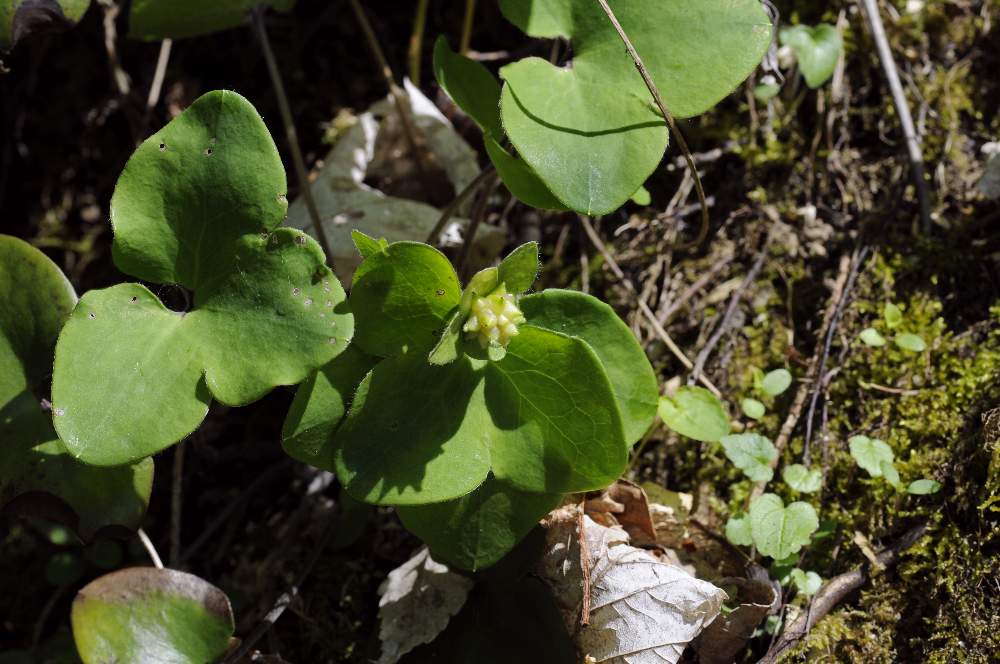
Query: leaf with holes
point(25, 18)
point(37, 473)
point(590, 130)
point(153, 20)
point(143, 614)
point(751, 453)
point(817, 50)
point(696, 413)
point(780, 531)
point(199, 205)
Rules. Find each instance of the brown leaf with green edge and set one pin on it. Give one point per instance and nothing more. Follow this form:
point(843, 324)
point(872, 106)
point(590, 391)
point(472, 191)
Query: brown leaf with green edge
point(143, 615)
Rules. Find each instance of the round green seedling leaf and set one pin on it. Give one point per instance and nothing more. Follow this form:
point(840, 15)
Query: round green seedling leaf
point(923, 487)
point(910, 342)
point(776, 382)
point(628, 369)
point(37, 474)
point(321, 402)
point(477, 530)
point(198, 204)
point(871, 454)
point(752, 408)
point(802, 479)
point(738, 530)
point(153, 20)
point(751, 453)
point(871, 337)
point(817, 50)
point(544, 419)
point(893, 316)
point(26, 18)
point(591, 130)
point(696, 413)
point(780, 531)
point(151, 615)
point(401, 298)
point(807, 583)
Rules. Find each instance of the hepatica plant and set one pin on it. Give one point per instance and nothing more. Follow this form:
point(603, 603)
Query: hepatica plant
point(588, 134)
point(199, 205)
point(483, 407)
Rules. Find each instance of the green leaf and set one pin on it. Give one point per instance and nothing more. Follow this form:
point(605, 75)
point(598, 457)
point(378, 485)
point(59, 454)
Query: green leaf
point(871, 337)
point(752, 408)
point(802, 479)
point(198, 204)
point(893, 316)
point(151, 615)
point(807, 583)
point(767, 91)
point(544, 420)
point(401, 298)
point(751, 453)
point(891, 475)
point(696, 413)
point(153, 20)
point(523, 182)
point(321, 402)
point(923, 487)
point(590, 129)
point(776, 382)
point(738, 530)
point(25, 18)
point(870, 454)
point(367, 246)
point(519, 269)
point(625, 363)
point(642, 197)
point(780, 531)
point(35, 299)
point(910, 342)
point(817, 50)
point(475, 531)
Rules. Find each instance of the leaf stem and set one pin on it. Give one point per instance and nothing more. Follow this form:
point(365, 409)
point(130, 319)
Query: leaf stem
point(150, 549)
point(477, 218)
point(433, 238)
point(467, 22)
point(291, 134)
point(658, 98)
point(417, 41)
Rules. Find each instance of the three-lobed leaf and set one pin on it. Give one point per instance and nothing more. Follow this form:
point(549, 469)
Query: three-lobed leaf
point(751, 453)
point(199, 204)
point(779, 531)
point(696, 413)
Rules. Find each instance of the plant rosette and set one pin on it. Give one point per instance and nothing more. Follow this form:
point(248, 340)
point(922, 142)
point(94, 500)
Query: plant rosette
point(484, 406)
point(199, 205)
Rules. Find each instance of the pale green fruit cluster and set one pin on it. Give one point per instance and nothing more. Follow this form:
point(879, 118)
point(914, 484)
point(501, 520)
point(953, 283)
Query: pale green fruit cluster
point(494, 318)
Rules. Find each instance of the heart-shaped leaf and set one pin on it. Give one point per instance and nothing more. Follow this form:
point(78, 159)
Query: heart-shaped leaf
point(780, 531)
point(35, 299)
point(870, 454)
point(173, 19)
point(751, 453)
point(475, 531)
point(24, 18)
point(544, 420)
point(696, 413)
point(624, 361)
point(590, 130)
point(817, 50)
point(807, 583)
point(477, 92)
point(151, 615)
point(199, 205)
point(321, 402)
point(802, 479)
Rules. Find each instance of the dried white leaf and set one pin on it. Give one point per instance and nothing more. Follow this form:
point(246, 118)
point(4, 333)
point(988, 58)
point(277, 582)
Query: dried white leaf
point(418, 599)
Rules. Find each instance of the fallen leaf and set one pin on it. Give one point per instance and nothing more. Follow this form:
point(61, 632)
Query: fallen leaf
point(729, 633)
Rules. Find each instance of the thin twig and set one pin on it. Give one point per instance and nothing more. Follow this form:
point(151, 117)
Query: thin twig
point(731, 309)
point(478, 215)
point(290, 133)
point(43, 617)
point(467, 22)
point(446, 214)
point(176, 504)
point(581, 533)
point(161, 71)
point(643, 307)
point(150, 549)
point(902, 109)
point(658, 98)
point(416, 48)
point(834, 591)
